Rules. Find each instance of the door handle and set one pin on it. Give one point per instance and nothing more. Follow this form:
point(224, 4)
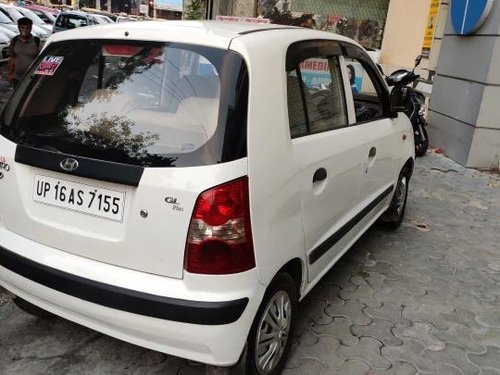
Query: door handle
point(320, 175)
point(372, 153)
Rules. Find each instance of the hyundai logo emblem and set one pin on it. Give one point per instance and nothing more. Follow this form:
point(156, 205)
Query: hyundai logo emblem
point(69, 164)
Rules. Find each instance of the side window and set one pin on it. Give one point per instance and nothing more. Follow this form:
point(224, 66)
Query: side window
point(41, 15)
point(59, 21)
point(368, 104)
point(316, 101)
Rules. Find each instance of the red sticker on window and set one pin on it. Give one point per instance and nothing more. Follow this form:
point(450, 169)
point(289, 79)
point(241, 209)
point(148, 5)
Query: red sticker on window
point(49, 65)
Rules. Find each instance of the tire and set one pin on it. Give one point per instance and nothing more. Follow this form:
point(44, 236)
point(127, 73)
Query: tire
point(421, 145)
point(393, 217)
point(281, 298)
point(32, 309)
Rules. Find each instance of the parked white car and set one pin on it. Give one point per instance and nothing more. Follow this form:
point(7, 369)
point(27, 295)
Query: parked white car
point(4, 46)
point(183, 185)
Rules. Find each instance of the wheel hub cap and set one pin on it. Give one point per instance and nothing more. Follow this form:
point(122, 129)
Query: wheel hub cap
point(401, 195)
point(273, 331)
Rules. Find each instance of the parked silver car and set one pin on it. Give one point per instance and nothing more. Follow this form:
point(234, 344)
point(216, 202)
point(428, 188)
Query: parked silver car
point(74, 19)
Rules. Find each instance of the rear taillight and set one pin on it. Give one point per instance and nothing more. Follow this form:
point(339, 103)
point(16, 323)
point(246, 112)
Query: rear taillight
point(220, 237)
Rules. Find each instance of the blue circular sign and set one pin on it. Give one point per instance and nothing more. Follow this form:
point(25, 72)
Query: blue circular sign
point(468, 15)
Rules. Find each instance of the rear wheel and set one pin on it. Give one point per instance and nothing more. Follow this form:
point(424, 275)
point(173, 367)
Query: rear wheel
point(393, 217)
point(421, 141)
point(31, 309)
point(270, 336)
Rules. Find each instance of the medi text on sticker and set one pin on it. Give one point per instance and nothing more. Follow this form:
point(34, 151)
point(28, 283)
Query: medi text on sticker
point(49, 65)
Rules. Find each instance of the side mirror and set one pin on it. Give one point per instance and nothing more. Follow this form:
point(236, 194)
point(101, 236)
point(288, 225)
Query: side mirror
point(418, 60)
point(399, 99)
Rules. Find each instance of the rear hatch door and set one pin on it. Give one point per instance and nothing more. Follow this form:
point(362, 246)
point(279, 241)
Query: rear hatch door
point(106, 147)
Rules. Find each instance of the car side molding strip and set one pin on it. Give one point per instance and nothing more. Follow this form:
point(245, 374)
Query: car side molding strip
point(179, 310)
point(323, 248)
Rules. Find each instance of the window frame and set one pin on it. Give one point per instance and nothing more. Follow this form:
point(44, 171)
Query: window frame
point(353, 52)
point(320, 49)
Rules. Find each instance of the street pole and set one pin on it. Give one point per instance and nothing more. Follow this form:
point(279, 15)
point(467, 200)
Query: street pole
point(210, 9)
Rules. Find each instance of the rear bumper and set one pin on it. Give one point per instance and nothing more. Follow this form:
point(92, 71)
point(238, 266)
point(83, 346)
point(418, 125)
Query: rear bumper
point(210, 330)
point(179, 310)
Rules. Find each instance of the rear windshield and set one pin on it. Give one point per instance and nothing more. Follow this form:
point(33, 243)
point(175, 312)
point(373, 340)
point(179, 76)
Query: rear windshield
point(146, 104)
point(71, 21)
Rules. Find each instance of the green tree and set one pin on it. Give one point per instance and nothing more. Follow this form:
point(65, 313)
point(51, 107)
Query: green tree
point(194, 11)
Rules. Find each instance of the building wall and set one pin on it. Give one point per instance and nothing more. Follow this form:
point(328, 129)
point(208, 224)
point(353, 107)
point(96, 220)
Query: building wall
point(238, 8)
point(404, 32)
point(464, 113)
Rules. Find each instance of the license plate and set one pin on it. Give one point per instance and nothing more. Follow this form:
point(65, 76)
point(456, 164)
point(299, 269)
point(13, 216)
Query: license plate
point(87, 199)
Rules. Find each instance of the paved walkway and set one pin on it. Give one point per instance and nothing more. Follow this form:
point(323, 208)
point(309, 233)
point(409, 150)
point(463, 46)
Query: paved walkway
point(424, 299)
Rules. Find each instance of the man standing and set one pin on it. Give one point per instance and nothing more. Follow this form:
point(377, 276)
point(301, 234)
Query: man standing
point(24, 48)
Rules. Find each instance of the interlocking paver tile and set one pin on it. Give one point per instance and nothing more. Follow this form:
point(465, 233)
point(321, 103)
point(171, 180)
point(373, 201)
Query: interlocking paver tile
point(391, 254)
point(307, 338)
point(314, 310)
point(447, 369)
point(352, 368)
point(349, 309)
point(324, 293)
point(420, 332)
point(408, 286)
point(481, 264)
point(397, 368)
point(316, 352)
point(460, 335)
point(428, 314)
point(489, 319)
point(442, 302)
point(376, 280)
point(379, 329)
point(301, 325)
point(313, 367)
point(470, 275)
point(454, 355)
point(339, 328)
point(368, 351)
point(364, 294)
point(412, 352)
point(467, 300)
point(401, 292)
point(305, 366)
point(464, 317)
point(488, 336)
point(339, 276)
point(450, 286)
point(388, 311)
point(385, 269)
point(483, 294)
point(490, 359)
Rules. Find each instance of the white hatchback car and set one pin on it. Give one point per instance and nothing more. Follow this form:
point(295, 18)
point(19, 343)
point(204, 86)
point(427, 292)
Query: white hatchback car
point(182, 186)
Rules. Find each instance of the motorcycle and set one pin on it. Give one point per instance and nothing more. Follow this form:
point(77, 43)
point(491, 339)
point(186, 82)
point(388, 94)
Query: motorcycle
point(416, 105)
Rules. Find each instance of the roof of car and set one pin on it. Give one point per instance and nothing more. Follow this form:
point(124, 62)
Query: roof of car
point(214, 33)
point(42, 8)
point(74, 12)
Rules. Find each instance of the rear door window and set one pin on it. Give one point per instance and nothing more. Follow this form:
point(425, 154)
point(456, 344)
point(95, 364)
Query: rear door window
point(148, 104)
point(315, 92)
